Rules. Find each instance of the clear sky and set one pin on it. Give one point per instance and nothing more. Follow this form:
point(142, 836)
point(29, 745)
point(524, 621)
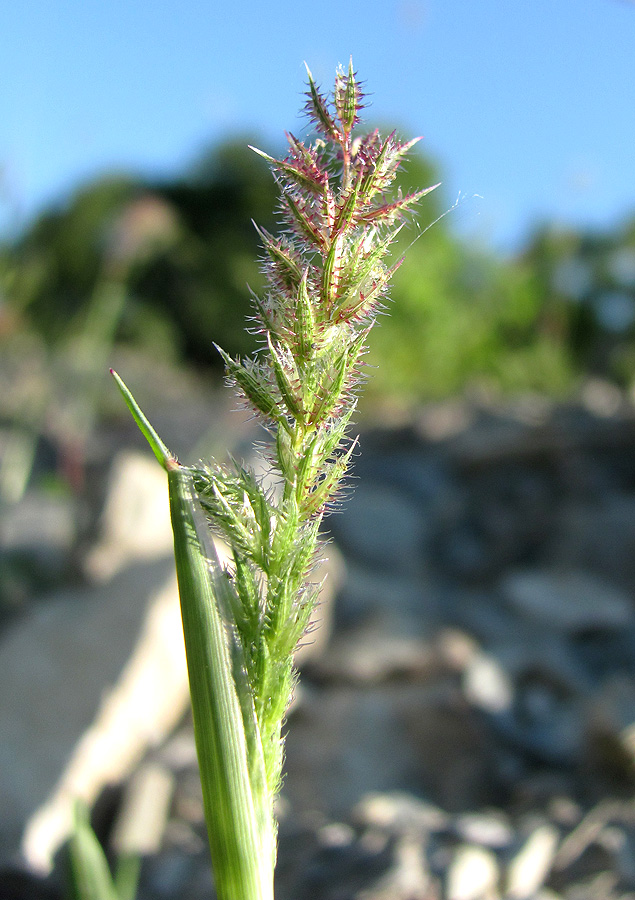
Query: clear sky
point(529, 105)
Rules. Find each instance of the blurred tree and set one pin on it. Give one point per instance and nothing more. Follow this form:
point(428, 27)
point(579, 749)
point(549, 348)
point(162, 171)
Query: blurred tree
point(184, 251)
point(188, 249)
point(459, 315)
point(587, 283)
point(200, 282)
point(53, 267)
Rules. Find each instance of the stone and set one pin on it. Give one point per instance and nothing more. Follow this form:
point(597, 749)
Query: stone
point(383, 528)
point(382, 628)
point(143, 815)
point(573, 600)
point(135, 523)
point(372, 656)
point(487, 685)
point(544, 724)
point(487, 829)
point(473, 874)
point(400, 812)
point(407, 603)
point(329, 573)
point(407, 878)
point(611, 725)
point(598, 534)
point(88, 680)
point(344, 742)
point(40, 529)
point(530, 867)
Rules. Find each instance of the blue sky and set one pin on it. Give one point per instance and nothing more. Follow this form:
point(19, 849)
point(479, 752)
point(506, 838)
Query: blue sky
point(529, 105)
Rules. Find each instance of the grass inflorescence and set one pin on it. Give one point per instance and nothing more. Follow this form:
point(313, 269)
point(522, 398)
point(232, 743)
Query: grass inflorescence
point(326, 277)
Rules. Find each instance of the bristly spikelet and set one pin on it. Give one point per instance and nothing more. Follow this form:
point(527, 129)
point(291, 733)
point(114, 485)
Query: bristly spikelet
point(347, 98)
point(326, 279)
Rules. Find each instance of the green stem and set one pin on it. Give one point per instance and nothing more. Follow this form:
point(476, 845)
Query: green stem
point(238, 808)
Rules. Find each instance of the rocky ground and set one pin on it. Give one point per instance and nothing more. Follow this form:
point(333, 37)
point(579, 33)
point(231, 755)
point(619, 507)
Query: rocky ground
point(465, 725)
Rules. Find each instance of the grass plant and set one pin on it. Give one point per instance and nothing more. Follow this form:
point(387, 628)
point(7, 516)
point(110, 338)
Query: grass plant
point(326, 280)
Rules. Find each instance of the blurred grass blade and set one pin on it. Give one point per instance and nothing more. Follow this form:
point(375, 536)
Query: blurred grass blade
point(90, 877)
point(127, 874)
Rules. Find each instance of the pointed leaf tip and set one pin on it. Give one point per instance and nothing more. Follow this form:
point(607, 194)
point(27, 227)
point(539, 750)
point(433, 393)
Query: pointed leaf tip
point(261, 153)
point(167, 459)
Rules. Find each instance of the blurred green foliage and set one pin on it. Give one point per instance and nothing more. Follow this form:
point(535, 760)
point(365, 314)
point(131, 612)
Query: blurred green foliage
point(185, 251)
point(462, 316)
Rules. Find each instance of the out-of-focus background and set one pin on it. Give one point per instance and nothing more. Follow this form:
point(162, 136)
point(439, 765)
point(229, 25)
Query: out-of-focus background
point(475, 666)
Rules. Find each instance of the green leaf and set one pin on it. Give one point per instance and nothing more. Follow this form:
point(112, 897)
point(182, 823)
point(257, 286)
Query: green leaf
point(237, 802)
point(239, 823)
point(127, 872)
point(89, 872)
point(158, 447)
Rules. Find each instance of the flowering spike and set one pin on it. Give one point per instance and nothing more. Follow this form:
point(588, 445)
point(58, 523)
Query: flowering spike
point(388, 212)
point(294, 171)
point(252, 385)
point(304, 221)
point(331, 271)
point(324, 492)
point(347, 98)
point(305, 319)
point(286, 262)
point(318, 111)
point(288, 380)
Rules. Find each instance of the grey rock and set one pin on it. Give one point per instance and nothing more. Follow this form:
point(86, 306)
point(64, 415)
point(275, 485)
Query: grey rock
point(598, 535)
point(487, 829)
point(373, 655)
point(41, 529)
point(381, 739)
point(530, 867)
point(473, 874)
point(382, 528)
point(142, 818)
point(57, 668)
point(135, 523)
point(611, 725)
point(383, 627)
point(407, 876)
point(407, 602)
point(487, 685)
point(400, 812)
point(546, 726)
point(570, 600)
